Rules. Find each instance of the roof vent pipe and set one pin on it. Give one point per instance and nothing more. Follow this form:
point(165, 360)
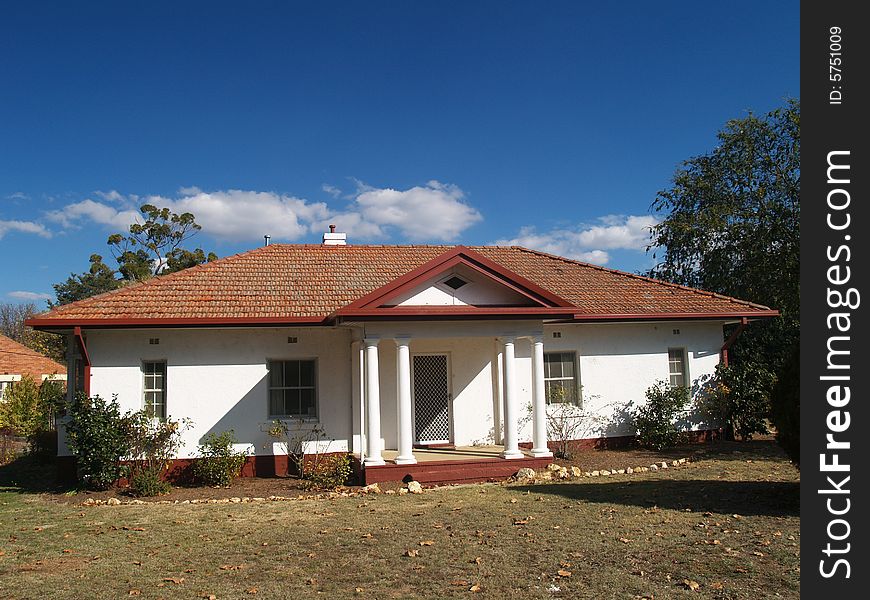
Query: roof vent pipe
point(267, 238)
point(331, 238)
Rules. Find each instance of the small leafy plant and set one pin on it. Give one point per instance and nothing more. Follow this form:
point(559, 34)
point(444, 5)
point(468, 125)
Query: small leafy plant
point(332, 471)
point(295, 440)
point(655, 419)
point(149, 482)
point(219, 463)
point(153, 445)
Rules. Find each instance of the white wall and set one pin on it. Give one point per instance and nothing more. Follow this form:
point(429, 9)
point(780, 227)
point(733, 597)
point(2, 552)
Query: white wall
point(479, 291)
point(218, 378)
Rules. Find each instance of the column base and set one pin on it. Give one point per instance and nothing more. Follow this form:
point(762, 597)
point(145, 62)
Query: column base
point(511, 454)
point(373, 462)
point(405, 460)
point(541, 453)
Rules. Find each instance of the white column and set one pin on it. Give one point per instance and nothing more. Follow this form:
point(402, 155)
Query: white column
point(373, 405)
point(403, 381)
point(539, 402)
point(511, 444)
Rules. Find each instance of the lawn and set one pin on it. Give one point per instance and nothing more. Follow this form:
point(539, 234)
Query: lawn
point(726, 526)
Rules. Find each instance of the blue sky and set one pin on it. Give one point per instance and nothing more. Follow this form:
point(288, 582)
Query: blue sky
point(551, 125)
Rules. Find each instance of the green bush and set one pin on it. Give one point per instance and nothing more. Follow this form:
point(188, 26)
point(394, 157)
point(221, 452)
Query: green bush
point(330, 472)
point(786, 406)
point(99, 437)
point(149, 482)
point(655, 419)
point(742, 402)
point(218, 464)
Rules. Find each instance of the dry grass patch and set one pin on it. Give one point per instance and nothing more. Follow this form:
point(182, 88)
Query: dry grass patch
point(721, 528)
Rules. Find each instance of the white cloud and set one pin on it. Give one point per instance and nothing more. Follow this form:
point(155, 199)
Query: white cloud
point(433, 212)
point(23, 295)
point(91, 211)
point(24, 227)
point(589, 243)
point(331, 190)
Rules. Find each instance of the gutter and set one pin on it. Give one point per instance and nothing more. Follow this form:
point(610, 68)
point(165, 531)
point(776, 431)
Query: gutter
point(723, 352)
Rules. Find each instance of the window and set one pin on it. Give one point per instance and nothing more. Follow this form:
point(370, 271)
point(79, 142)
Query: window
point(560, 378)
point(679, 375)
point(455, 282)
point(292, 388)
point(155, 388)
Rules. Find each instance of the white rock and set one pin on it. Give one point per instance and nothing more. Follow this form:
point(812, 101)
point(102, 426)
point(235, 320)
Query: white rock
point(664, 464)
point(372, 488)
point(113, 502)
point(403, 491)
point(605, 472)
point(414, 487)
point(576, 471)
point(653, 467)
point(525, 473)
point(621, 471)
point(595, 473)
point(629, 470)
point(553, 467)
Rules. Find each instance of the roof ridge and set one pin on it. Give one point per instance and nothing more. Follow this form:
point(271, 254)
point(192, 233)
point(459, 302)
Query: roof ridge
point(662, 282)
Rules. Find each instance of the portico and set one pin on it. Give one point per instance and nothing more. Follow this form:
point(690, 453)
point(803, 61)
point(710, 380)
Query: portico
point(500, 385)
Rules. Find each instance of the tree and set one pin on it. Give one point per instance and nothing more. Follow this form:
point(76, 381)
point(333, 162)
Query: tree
point(96, 280)
point(12, 317)
point(151, 248)
point(154, 247)
point(732, 225)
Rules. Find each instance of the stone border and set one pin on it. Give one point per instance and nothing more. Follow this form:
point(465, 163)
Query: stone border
point(557, 472)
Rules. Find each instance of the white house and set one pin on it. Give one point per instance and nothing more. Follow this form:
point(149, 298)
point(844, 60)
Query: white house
point(394, 349)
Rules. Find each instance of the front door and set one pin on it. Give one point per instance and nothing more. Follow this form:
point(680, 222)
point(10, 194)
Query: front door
point(431, 398)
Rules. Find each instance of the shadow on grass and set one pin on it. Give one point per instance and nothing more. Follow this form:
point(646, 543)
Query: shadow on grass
point(29, 474)
point(768, 498)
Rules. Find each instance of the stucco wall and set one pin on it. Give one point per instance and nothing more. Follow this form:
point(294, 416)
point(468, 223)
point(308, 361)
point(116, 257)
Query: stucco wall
point(218, 378)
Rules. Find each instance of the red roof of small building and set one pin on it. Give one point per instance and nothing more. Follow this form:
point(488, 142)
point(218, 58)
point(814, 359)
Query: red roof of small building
point(284, 283)
point(17, 359)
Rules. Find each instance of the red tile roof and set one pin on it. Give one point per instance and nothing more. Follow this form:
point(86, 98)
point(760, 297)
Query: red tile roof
point(16, 359)
point(287, 282)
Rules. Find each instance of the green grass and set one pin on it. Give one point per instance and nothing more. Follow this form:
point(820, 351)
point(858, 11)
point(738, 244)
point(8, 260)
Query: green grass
point(730, 525)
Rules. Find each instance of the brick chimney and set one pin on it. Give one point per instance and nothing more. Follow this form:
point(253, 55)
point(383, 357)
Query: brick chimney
point(334, 239)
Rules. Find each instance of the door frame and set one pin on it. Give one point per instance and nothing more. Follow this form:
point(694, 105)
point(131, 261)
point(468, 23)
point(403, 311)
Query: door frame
point(449, 375)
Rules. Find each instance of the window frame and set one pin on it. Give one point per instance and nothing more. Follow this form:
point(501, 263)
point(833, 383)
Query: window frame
point(578, 391)
point(685, 363)
point(316, 387)
point(164, 390)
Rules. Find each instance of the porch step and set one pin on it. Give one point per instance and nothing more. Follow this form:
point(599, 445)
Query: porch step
point(452, 471)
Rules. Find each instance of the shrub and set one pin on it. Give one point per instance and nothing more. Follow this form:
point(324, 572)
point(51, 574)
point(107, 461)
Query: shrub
point(153, 445)
point(655, 419)
point(330, 472)
point(99, 437)
point(742, 400)
point(786, 406)
point(219, 463)
point(149, 482)
point(295, 440)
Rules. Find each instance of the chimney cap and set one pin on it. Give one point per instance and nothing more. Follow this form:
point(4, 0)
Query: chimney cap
point(331, 238)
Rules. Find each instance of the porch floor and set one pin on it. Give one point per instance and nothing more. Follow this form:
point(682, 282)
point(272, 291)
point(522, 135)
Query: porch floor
point(451, 465)
point(452, 453)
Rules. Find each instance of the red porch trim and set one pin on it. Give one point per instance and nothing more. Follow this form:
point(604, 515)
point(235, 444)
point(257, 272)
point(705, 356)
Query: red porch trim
point(77, 332)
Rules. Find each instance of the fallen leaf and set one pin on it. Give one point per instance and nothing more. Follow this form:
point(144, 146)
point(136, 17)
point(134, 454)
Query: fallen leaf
point(252, 590)
point(717, 585)
point(475, 588)
point(477, 560)
point(564, 573)
point(427, 542)
point(231, 567)
point(459, 582)
point(358, 590)
point(691, 584)
point(521, 521)
point(412, 553)
point(311, 581)
point(625, 540)
point(134, 593)
point(175, 580)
